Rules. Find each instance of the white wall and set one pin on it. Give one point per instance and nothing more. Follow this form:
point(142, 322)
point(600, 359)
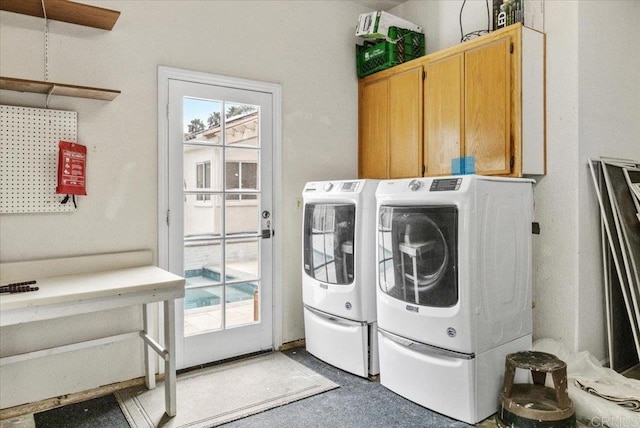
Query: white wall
point(609, 125)
point(555, 287)
point(306, 46)
point(440, 19)
point(593, 109)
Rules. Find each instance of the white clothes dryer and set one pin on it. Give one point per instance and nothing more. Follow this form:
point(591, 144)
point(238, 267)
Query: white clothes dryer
point(454, 288)
point(338, 274)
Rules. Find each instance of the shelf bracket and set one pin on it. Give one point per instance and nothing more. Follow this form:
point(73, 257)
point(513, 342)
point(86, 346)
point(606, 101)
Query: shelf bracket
point(49, 92)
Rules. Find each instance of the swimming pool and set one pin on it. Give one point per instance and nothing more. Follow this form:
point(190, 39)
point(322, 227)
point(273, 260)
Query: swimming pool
point(203, 289)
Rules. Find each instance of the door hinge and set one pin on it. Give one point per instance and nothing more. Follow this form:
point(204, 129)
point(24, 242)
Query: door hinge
point(424, 169)
point(168, 110)
point(512, 161)
point(511, 48)
point(424, 74)
point(167, 217)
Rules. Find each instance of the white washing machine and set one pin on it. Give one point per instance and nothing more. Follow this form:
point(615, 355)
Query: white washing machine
point(338, 274)
point(454, 288)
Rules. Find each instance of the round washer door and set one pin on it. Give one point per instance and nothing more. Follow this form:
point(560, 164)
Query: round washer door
point(417, 254)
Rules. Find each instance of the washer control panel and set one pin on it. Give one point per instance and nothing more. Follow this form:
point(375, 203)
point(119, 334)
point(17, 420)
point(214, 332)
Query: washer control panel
point(328, 186)
point(445, 185)
point(349, 186)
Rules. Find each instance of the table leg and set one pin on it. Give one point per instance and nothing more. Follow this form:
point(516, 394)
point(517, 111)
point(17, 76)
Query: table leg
point(170, 362)
point(149, 366)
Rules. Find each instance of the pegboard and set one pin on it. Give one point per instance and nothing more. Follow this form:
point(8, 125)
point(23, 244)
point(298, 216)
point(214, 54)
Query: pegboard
point(28, 158)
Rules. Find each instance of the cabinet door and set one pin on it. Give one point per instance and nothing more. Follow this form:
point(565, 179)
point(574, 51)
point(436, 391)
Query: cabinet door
point(373, 129)
point(443, 114)
point(487, 109)
point(405, 124)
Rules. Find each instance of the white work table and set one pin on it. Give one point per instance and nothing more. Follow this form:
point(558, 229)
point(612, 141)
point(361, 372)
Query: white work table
point(86, 292)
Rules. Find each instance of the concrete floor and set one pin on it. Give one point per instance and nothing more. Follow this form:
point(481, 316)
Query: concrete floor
point(357, 403)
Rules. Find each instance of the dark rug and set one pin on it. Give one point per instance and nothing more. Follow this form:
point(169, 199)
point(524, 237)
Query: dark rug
point(103, 412)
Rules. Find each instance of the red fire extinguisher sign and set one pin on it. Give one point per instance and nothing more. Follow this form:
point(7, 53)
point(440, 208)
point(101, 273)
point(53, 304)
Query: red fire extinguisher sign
point(72, 162)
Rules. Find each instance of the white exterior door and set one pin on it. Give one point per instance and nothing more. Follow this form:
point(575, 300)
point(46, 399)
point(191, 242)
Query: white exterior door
point(219, 217)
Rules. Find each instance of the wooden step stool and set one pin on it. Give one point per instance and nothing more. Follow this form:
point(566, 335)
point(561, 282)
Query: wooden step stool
point(534, 405)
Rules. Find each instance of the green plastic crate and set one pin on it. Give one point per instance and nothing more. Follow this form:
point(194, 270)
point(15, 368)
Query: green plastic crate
point(401, 46)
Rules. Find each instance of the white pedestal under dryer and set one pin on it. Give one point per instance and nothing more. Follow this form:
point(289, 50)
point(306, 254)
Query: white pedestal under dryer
point(454, 288)
point(338, 274)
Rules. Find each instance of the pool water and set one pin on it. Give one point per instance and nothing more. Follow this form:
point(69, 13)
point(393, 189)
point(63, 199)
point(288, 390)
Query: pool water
point(212, 295)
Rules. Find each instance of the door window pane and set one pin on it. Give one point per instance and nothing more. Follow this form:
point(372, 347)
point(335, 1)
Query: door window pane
point(202, 168)
point(242, 176)
point(242, 304)
point(202, 307)
point(242, 257)
point(242, 125)
point(202, 121)
point(202, 222)
point(241, 218)
point(241, 172)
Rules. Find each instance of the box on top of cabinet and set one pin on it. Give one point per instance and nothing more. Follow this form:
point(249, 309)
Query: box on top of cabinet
point(375, 25)
point(404, 46)
point(529, 12)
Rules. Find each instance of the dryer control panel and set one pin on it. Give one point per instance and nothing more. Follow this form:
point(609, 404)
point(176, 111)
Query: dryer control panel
point(445, 185)
point(349, 186)
point(328, 186)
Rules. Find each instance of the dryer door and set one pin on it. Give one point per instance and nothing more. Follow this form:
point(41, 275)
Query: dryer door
point(417, 254)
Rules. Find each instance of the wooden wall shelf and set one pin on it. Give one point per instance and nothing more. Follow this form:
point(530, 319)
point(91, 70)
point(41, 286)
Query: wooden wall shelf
point(51, 88)
point(65, 11)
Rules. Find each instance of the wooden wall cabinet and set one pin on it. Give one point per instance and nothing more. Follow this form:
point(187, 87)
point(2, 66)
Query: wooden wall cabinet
point(390, 125)
point(483, 98)
point(443, 119)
